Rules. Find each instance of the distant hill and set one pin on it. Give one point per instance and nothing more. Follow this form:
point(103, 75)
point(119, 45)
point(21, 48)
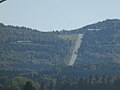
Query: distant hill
point(106, 24)
point(22, 47)
point(32, 50)
point(101, 42)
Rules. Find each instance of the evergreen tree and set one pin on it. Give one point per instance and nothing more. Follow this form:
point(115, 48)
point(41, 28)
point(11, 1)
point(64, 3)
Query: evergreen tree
point(29, 86)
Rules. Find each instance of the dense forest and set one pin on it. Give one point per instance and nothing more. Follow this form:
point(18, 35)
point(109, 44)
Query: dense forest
point(34, 60)
point(104, 82)
point(101, 45)
point(23, 45)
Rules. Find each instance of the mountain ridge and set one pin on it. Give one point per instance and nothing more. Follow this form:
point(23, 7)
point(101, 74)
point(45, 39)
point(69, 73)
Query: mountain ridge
point(99, 25)
point(32, 48)
point(43, 57)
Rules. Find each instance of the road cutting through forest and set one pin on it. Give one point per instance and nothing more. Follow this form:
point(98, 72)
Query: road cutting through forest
point(77, 46)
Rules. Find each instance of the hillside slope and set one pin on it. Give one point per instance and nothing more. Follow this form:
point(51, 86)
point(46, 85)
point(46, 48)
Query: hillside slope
point(22, 47)
point(101, 43)
point(76, 47)
point(42, 58)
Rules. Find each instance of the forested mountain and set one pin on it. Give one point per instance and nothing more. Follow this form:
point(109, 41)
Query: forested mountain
point(101, 43)
point(22, 45)
point(39, 60)
point(109, 24)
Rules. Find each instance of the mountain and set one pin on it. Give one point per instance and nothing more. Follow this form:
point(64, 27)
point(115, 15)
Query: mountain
point(25, 52)
point(21, 45)
point(110, 24)
point(101, 43)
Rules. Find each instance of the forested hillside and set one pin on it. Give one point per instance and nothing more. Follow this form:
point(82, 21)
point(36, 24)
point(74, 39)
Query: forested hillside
point(34, 60)
point(101, 45)
point(22, 47)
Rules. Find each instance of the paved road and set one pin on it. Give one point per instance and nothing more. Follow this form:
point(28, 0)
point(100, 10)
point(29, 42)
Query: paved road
point(77, 46)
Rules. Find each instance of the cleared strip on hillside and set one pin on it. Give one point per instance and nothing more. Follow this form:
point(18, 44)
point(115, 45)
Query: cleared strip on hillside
point(77, 46)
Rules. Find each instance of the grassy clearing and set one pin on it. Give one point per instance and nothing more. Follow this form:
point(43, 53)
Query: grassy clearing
point(72, 37)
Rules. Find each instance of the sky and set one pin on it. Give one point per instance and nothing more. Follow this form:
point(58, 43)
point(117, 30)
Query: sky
point(49, 15)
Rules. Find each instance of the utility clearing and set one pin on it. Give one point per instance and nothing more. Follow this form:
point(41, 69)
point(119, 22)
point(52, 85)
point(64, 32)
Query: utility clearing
point(77, 46)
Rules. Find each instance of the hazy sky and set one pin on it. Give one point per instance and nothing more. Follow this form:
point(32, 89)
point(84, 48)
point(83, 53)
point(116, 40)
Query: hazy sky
point(46, 15)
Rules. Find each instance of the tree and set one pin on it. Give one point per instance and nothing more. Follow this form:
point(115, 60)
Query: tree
point(29, 86)
point(51, 85)
point(42, 86)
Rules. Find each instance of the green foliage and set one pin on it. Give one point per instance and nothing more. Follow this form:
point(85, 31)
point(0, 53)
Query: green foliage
point(29, 86)
point(34, 60)
point(21, 47)
point(102, 45)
